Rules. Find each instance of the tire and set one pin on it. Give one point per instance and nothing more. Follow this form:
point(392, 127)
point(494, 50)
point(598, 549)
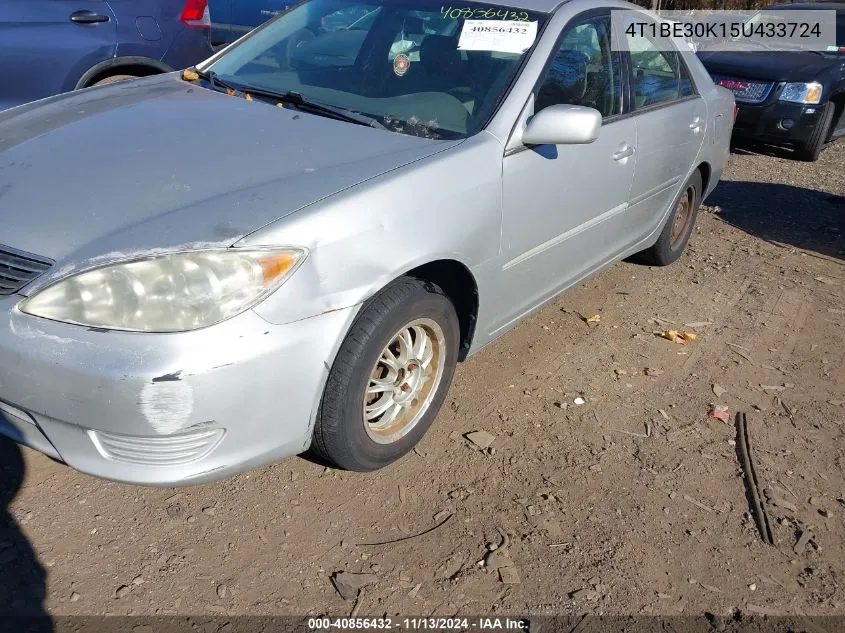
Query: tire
point(676, 232)
point(343, 434)
point(811, 149)
point(113, 79)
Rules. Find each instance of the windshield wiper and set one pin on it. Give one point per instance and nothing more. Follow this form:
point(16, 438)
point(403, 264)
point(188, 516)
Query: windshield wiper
point(295, 99)
point(301, 103)
point(214, 80)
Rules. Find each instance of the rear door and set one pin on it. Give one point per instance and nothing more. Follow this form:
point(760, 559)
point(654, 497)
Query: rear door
point(221, 19)
point(671, 122)
point(232, 18)
point(47, 45)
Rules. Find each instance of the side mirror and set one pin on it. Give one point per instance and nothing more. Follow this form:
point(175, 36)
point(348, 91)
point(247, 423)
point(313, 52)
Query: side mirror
point(563, 125)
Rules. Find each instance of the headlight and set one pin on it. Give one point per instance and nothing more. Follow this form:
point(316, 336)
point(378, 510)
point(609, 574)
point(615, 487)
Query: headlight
point(802, 93)
point(169, 293)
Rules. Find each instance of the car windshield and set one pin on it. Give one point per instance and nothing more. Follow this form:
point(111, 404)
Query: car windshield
point(418, 67)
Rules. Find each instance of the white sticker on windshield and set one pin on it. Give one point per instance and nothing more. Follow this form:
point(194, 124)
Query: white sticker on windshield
point(504, 36)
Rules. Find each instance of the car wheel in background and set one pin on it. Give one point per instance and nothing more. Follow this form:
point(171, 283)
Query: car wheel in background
point(113, 80)
point(810, 149)
point(389, 378)
point(678, 228)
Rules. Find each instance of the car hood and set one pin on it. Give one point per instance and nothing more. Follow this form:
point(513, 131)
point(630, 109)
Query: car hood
point(159, 164)
point(766, 65)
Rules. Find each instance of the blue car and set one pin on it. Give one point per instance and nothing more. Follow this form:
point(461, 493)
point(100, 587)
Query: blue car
point(233, 18)
point(53, 46)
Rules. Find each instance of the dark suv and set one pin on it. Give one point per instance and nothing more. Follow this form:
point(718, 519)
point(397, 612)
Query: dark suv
point(53, 46)
point(784, 97)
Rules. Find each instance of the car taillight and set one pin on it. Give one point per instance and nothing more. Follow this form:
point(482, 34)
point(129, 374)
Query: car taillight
point(195, 14)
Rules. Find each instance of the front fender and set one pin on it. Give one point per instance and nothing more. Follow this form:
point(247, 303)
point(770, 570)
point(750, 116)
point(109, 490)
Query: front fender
point(447, 206)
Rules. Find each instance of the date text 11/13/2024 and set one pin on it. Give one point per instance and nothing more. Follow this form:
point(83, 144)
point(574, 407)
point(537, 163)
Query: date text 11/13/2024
point(418, 624)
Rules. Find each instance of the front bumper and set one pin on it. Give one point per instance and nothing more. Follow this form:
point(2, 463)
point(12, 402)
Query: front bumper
point(766, 122)
point(164, 409)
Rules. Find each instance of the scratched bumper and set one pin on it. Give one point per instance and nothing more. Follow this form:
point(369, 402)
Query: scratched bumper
point(164, 409)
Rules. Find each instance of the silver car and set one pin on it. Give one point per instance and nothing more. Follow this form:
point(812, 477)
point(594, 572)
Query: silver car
point(292, 245)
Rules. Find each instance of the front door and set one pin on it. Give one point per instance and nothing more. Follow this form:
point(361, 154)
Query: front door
point(562, 203)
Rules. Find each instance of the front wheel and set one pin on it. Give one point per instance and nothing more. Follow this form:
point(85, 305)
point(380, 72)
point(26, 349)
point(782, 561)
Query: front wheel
point(390, 377)
point(811, 149)
point(114, 79)
point(678, 228)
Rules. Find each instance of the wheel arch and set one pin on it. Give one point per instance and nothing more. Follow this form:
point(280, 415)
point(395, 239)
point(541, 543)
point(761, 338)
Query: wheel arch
point(706, 172)
point(128, 65)
point(838, 100)
point(460, 286)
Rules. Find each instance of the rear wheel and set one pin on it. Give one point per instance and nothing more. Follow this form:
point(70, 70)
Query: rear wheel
point(678, 228)
point(811, 149)
point(390, 377)
point(113, 80)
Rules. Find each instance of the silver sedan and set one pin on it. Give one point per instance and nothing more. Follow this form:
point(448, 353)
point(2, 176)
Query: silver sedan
point(292, 245)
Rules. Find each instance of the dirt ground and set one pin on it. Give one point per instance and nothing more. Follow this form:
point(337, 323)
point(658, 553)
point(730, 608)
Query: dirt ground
point(630, 503)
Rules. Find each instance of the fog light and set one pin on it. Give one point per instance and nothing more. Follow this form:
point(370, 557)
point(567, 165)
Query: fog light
point(786, 124)
point(161, 450)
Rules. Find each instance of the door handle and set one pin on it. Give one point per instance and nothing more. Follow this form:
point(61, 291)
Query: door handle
point(88, 17)
point(623, 152)
point(695, 126)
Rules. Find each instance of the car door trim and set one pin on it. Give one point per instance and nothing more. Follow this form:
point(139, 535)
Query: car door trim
point(664, 104)
point(523, 257)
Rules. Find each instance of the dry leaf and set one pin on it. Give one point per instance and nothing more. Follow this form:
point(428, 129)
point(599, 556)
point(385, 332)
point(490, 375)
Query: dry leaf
point(190, 75)
point(230, 92)
point(280, 105)
point(593, 320)
point(679, 337)
point(248, 97)
point(672, 335)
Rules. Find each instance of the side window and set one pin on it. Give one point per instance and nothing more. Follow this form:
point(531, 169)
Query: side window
point(687, 87)
point(660, 76)
point(585, 70)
